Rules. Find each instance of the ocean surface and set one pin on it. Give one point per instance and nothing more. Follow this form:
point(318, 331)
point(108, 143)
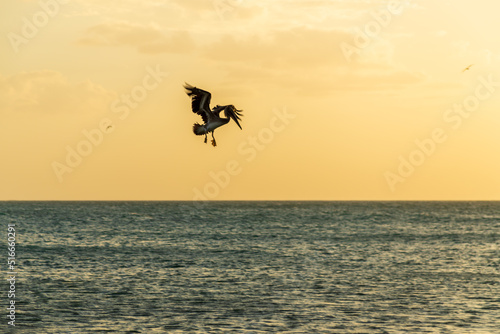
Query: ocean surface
point(254, 267)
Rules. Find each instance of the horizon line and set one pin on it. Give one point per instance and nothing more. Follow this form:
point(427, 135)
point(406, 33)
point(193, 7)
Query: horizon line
point(254, 200)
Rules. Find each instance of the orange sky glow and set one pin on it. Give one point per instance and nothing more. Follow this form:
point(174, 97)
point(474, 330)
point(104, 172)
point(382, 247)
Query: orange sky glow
point(341, 100)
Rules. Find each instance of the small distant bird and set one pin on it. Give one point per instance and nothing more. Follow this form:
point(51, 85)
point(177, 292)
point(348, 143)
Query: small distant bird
point(200, 103)
point(467, 68)
point(109, 127)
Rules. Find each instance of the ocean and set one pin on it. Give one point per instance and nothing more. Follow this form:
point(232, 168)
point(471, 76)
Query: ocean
point(252, 267)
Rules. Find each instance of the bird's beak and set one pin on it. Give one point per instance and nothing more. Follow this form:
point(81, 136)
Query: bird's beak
point(238, 123)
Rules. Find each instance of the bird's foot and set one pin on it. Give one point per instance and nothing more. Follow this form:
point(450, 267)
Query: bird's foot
point(205, 140)
point(214, 143)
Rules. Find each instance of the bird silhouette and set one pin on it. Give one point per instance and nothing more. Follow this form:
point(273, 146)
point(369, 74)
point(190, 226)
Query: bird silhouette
point(467, 68)
point(200, 103)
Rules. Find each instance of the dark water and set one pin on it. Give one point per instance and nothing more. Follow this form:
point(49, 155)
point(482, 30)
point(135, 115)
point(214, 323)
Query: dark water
point(255, 267)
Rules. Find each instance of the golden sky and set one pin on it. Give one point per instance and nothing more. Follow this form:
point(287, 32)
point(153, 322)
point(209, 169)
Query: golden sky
point(342, 99)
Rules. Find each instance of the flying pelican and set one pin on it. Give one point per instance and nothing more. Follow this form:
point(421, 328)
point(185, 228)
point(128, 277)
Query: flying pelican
point(200, 103)
point(467, 68)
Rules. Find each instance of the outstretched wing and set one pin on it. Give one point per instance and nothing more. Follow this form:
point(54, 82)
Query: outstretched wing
point(467, 68)
point(233, 113)
point(200, 101)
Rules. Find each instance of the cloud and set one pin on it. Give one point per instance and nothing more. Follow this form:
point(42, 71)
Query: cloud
point(217, 9)
point(301, 47)
point(309, 61)
point(48, 92)
point(145, 38)
point(324, 82)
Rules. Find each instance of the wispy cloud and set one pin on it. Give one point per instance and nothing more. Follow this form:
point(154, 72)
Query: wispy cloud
point(49, 91)
point(145, 38)
point(309, 60)
point(301, 46)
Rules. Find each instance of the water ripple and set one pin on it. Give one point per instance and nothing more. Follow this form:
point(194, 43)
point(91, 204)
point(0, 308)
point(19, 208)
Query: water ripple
point(257, 267)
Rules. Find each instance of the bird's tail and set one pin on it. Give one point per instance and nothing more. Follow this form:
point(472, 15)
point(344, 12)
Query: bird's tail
point(198, 129)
